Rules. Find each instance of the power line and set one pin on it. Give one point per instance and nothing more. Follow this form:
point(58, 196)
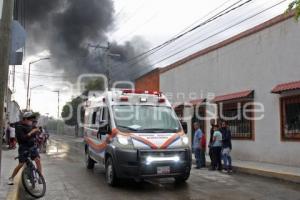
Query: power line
point(172, 55)
point(138, 28)
point(131, 16)
point(210, 12)
point(161, 46)
point(190, 40)
point(41, 75)
point(217, 33)
point(47, 72)
point(152, 51)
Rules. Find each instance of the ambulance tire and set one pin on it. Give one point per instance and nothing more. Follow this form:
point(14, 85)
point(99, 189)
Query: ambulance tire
point(89, 162)
point(110, 173)
point(182, 179)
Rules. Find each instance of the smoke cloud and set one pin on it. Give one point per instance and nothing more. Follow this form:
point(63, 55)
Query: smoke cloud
point(67, 27)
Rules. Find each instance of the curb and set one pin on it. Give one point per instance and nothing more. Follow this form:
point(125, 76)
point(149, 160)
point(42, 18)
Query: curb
point(269, 174)
point(294, 178)
point(14, 192)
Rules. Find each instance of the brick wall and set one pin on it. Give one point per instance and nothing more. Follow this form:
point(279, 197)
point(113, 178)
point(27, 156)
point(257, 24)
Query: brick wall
point(149, 81)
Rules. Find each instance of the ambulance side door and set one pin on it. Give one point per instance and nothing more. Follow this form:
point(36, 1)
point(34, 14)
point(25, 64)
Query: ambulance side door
point(104, 127)
point(93, 129)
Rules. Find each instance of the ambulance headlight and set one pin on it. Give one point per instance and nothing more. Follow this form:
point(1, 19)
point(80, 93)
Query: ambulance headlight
point(185, 140)
point(123, 140)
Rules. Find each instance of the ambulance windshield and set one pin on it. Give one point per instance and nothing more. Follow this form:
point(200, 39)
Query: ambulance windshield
point(144, 118)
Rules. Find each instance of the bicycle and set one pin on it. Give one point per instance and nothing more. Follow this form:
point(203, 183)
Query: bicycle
point(32, 179)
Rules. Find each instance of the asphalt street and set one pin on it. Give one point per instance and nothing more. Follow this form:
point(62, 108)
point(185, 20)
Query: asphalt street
point(67, 178)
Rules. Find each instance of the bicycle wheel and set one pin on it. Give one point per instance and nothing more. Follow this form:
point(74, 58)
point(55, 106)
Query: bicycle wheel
point(34, 182)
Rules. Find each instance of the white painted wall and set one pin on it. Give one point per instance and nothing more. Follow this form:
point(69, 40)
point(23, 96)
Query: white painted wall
point(257, 62)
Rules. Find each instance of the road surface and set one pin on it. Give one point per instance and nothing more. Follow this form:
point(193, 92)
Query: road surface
point(67, 178)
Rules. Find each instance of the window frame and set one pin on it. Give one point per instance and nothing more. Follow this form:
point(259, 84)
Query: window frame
point(283, 101)
point(228, 105)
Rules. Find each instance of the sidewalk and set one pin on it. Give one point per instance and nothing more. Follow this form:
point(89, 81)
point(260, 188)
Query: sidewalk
point(8, 163)
point(281, 172)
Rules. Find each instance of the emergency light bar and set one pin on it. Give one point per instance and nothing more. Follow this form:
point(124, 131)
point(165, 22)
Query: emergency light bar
point(123, 99)
point(130, 91)
point(161, 100)
point(143, 99)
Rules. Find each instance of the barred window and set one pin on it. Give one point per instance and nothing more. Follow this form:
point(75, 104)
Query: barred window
point(290, 118)
point(241, 126)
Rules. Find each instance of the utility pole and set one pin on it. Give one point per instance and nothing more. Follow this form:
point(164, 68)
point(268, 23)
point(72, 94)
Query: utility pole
point(107, 60)
point(14, 78)
point(5, 38)
point(58, 93)
point(57, 125)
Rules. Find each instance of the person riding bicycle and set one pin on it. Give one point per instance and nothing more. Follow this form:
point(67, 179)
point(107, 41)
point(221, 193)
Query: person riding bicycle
point(25, 134)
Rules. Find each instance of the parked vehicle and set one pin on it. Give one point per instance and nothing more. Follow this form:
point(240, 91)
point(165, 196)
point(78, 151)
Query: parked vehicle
point(135, 134)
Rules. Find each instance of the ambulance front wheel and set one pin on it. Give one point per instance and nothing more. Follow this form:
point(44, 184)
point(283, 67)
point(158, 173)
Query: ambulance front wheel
point(182, 179)
point(110, 173)
point(89, 162)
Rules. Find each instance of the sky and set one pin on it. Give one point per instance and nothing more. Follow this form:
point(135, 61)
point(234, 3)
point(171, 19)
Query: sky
point(155, 21)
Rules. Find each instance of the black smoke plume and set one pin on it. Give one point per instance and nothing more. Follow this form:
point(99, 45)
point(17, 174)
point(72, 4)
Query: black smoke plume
point(67, 27)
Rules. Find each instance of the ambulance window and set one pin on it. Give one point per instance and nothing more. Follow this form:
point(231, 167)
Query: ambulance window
point(90, 116)
point(105, 114)
point(94, 117)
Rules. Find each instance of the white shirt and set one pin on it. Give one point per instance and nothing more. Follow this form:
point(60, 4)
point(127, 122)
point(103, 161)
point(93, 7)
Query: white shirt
point(12, 132)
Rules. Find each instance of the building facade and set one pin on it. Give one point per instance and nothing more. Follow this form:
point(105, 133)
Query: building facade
point(149, 81)
point(257, 69)
point(11, 108)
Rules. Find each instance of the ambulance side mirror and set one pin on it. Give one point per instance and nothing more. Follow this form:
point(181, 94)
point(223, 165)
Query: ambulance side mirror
point(102, 122)
point(184, 126)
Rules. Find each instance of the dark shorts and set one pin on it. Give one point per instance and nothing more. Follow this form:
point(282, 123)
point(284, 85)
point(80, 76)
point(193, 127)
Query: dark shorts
point(24, 152)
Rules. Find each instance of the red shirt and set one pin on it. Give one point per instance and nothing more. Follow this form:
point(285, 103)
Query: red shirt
point(203, 141)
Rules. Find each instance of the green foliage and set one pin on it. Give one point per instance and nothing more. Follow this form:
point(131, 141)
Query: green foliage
point(71, 109)
point(97, 84)
point(295, 5)
point(94, 85)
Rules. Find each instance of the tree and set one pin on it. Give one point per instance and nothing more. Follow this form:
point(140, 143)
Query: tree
point(295, 5)
point(72, 106)
point(94, 85)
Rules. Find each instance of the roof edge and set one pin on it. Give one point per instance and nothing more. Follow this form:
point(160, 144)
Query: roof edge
point(148, 73)
point(271, 22)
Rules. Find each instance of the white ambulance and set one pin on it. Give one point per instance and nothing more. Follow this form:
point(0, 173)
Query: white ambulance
point(135, 134)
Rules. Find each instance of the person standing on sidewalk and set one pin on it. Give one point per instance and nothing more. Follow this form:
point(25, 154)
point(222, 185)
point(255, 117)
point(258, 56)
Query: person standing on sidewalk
point(12, 139)
point(226, 147)
point(203, 150)
point(7, 135)
point(216, 149)
point(212, 124)
point(197, 144)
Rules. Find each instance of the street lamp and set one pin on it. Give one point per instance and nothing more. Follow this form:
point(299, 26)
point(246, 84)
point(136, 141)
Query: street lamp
point(28, 84)
point(29, 100)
